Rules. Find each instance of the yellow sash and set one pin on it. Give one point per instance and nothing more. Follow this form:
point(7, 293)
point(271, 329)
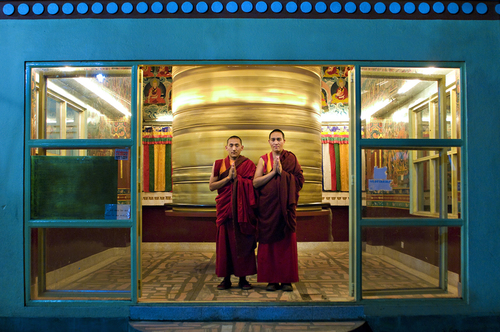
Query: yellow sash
point(223, 165)
point(269, 163)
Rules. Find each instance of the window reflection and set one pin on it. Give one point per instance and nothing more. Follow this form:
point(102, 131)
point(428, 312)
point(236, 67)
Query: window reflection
point(81, 103)
point(408, 183)
point(404, 102)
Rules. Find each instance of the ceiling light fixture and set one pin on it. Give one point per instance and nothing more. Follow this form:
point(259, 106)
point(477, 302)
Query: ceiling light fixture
point(87, 83)
point(407, 86)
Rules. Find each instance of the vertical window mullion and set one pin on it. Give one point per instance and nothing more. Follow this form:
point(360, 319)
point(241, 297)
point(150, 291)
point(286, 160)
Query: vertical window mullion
point(355, 207)
point(135, 195)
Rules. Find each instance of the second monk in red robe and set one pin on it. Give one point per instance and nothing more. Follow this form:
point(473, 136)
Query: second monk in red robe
point(278, 179)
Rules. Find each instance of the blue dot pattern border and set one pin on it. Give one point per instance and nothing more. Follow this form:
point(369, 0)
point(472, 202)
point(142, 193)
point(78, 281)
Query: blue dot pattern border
point(317, 9)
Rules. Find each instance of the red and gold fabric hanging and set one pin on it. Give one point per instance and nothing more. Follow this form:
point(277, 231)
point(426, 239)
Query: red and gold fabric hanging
point(157, 165)
point(335, 140)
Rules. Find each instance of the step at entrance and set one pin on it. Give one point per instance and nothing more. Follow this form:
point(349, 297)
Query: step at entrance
point(150, 326)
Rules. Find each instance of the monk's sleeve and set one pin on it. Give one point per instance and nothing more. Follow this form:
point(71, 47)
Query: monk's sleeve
point(223, 205)
point(288, 196)
point(298, 176)
point(223, 199)
point(246, 198)
point(292, 180)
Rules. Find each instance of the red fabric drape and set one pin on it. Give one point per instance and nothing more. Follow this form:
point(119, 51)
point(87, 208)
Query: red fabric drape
point(333, 166)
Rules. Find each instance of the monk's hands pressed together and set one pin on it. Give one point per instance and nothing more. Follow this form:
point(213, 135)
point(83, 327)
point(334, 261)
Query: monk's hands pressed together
point(277, 165)
point(232, 172)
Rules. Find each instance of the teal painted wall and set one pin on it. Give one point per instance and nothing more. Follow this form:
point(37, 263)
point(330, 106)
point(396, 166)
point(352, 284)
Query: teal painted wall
point(477, 43)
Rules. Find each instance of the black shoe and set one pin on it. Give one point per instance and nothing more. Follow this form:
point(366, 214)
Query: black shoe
point(225, 284)
point(272, 287)
point(245, 285)
point(287, 287)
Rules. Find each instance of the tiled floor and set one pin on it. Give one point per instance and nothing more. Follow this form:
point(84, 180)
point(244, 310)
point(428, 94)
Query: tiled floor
point(324, 276)
point(190, 276)
point(186, 273)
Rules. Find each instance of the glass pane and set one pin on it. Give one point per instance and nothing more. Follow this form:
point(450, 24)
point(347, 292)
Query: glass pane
point(422, 121)
point(403, 102)
point(85, 263)
point(94, 103)
point(72, 122)
point(407, 183)
point(410, 262)
point(80, 184)
point(53, 118)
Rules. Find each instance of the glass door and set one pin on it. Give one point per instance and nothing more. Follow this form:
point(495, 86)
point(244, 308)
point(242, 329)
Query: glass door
point(406, 183)
point(78, 216)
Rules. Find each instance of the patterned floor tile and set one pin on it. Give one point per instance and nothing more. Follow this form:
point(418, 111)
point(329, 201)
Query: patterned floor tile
point(182, 276)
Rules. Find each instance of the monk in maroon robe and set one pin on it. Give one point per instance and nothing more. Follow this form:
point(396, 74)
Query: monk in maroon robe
point(278, 179)
point(235, 247)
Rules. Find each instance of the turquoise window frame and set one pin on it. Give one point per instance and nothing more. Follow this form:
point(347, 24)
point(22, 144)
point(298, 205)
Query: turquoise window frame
point(131, 144)
point(356, 145)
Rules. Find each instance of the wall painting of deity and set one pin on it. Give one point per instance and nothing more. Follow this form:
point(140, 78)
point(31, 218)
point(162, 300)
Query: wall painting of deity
point(335, 94)
point(157, 93)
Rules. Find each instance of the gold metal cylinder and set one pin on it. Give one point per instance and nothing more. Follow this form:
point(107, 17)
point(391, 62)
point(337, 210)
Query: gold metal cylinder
point(212, 103)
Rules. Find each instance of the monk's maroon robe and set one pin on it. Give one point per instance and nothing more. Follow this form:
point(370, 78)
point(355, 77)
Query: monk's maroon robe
point(235, 246)
point(276, 213)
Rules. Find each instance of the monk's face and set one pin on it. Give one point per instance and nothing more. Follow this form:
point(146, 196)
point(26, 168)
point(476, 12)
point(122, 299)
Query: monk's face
point(276, 142)
point(234, 148)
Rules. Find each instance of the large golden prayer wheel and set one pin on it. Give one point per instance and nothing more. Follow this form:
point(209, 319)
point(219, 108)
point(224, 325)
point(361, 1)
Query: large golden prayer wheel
point(212, 103)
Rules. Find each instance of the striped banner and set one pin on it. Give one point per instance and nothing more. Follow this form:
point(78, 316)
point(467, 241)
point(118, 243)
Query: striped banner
point(157, 164)
point(335, 142)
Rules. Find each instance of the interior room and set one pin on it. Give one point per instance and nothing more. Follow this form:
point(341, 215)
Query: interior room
point(155, 215)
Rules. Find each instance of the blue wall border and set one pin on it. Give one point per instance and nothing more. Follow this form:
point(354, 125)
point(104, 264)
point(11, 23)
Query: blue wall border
point(354, 9)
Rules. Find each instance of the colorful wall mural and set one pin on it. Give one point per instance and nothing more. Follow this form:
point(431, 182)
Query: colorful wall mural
point(157, 93)
point(335, 93)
